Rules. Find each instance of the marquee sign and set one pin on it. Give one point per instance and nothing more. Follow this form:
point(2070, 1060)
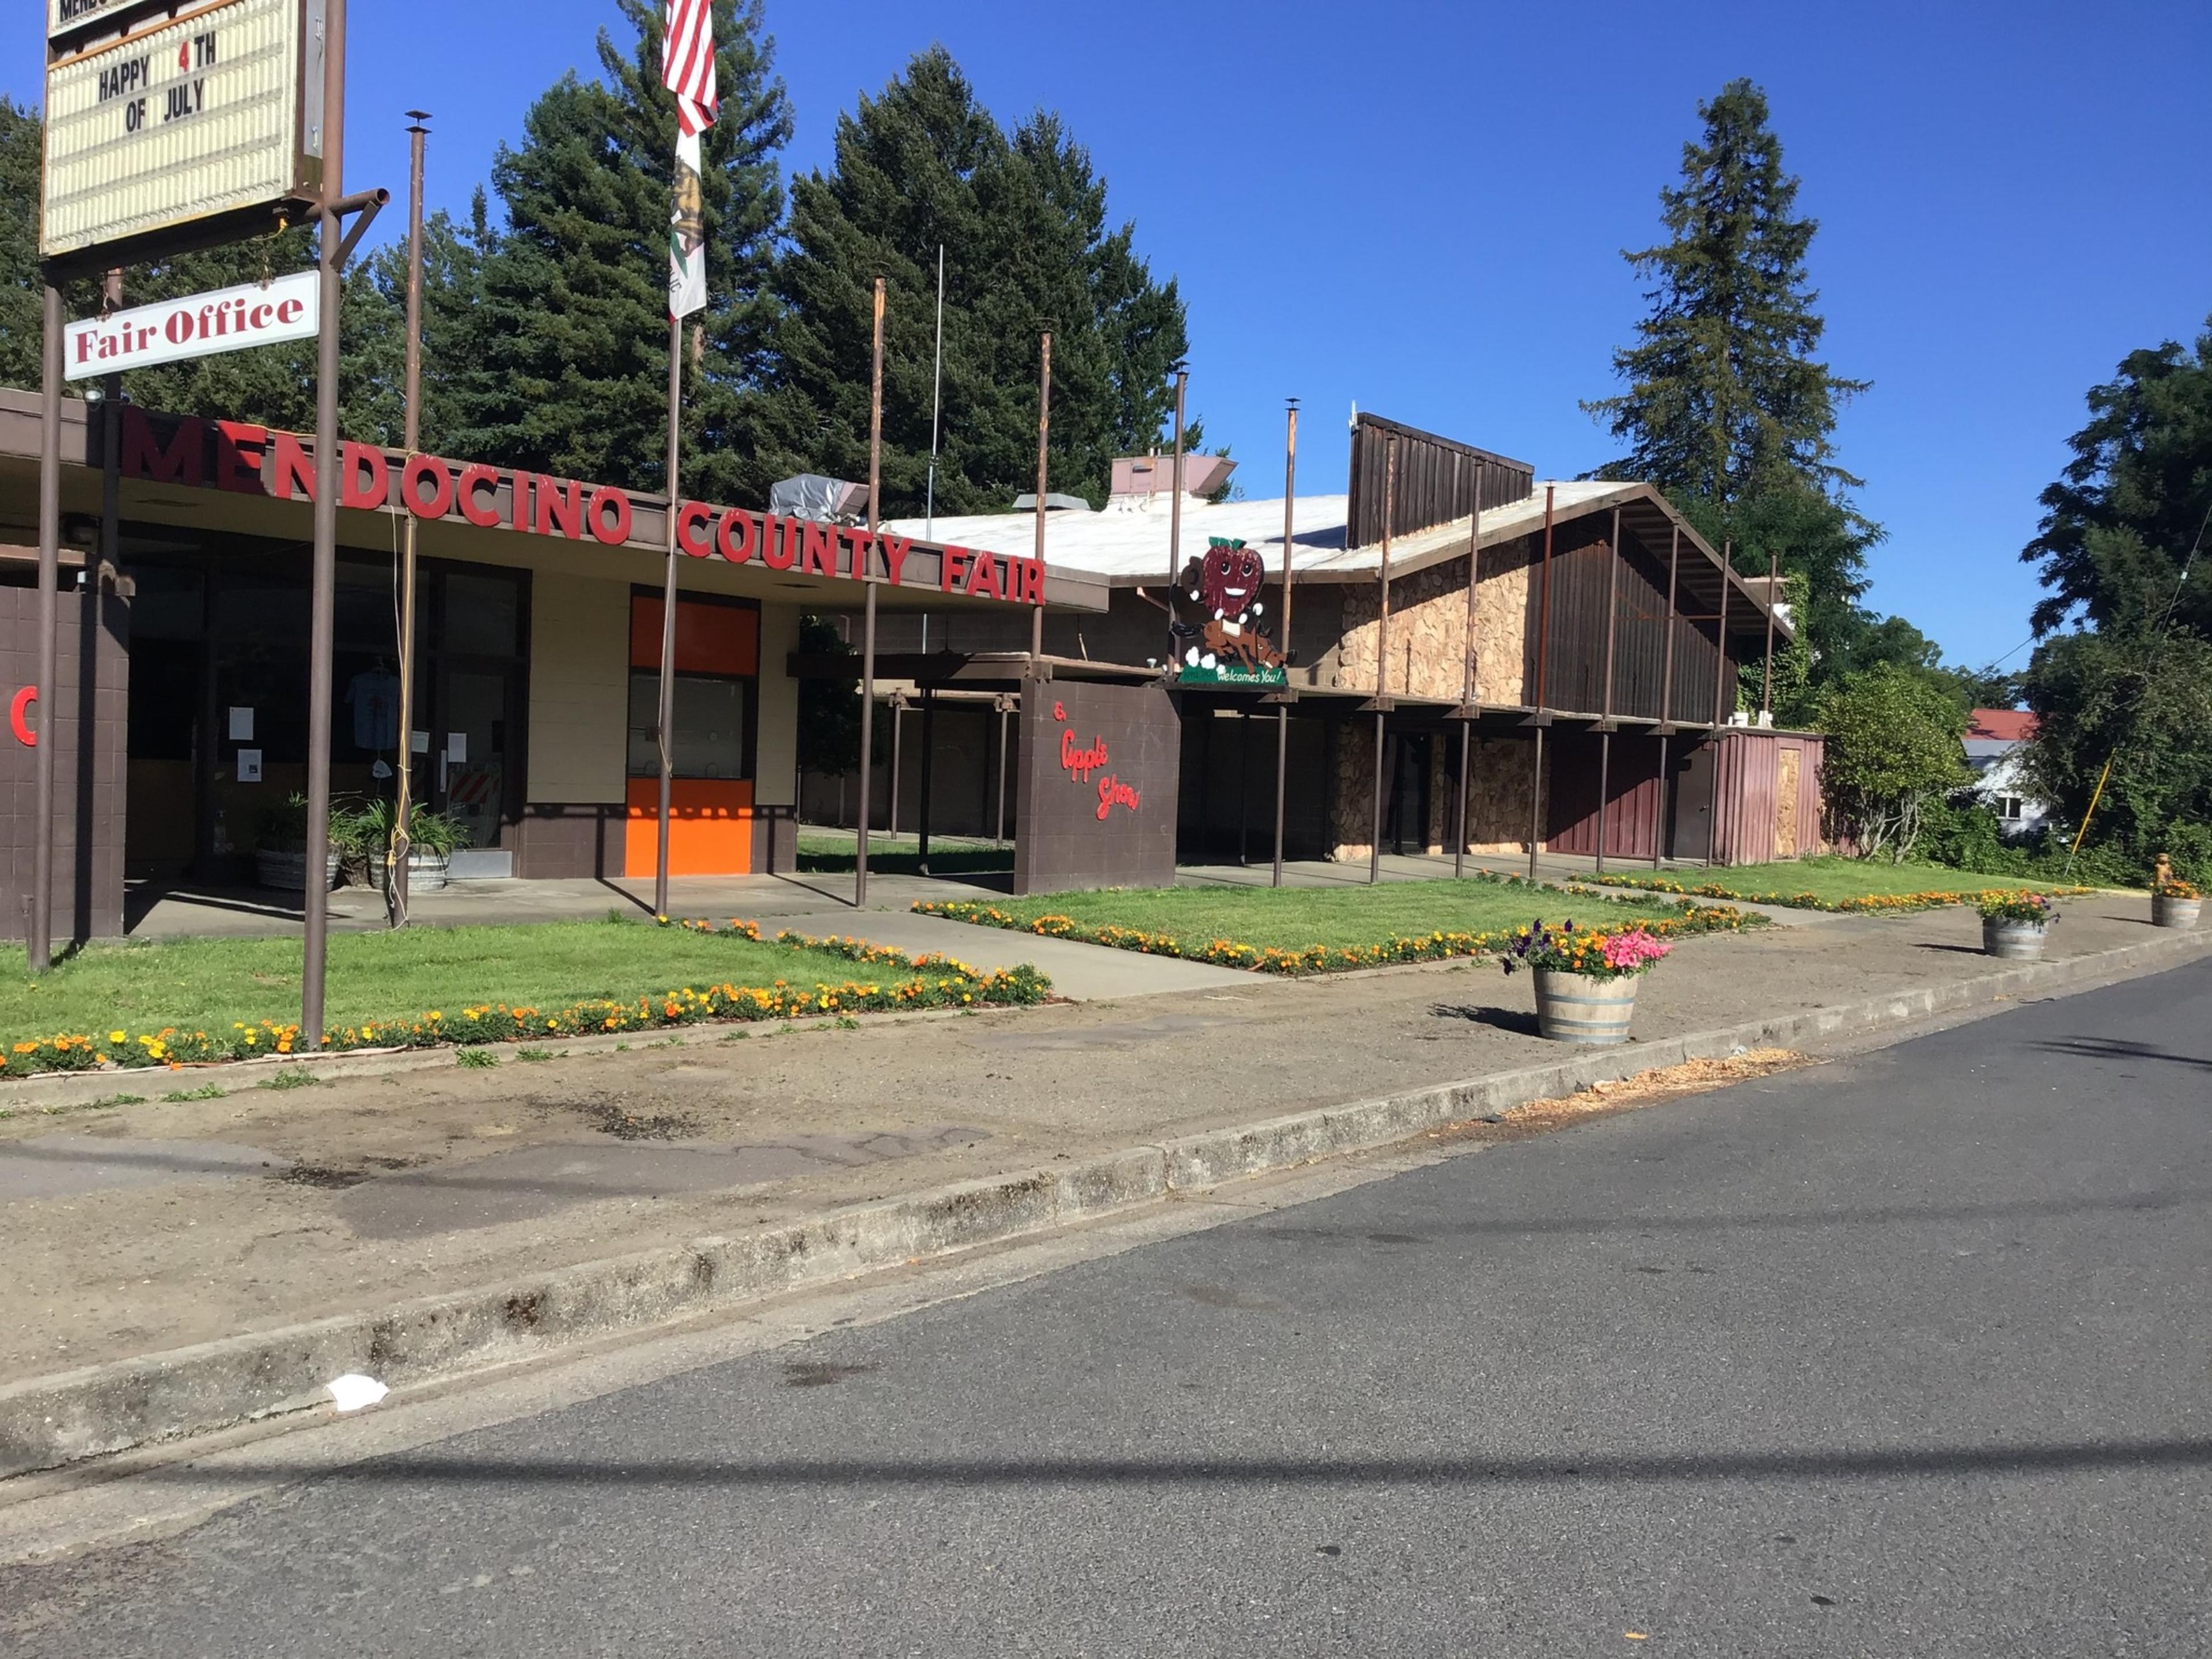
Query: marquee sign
point(173, 122)
point(198, 326)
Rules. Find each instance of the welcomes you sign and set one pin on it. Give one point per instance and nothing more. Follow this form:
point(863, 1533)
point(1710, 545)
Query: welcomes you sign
point(199, 325)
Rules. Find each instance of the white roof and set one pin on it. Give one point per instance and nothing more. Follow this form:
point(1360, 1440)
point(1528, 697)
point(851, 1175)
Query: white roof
point(1128, 543)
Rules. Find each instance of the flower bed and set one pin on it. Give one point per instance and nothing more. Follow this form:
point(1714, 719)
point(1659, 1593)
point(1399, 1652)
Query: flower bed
point(1690, 921)
point(928, 981)
point(1861, 904)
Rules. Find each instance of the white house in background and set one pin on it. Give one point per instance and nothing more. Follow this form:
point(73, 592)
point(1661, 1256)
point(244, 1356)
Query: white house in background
point(1995, 737)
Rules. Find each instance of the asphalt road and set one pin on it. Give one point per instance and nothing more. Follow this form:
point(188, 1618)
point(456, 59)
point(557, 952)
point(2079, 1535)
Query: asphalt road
point(1911, 1354)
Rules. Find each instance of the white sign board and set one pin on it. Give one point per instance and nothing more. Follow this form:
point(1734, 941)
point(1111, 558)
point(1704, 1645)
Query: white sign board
point(175, 123)
point(198, 326)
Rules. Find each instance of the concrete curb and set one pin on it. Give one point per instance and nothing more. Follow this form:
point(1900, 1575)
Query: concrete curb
point(50, 1420)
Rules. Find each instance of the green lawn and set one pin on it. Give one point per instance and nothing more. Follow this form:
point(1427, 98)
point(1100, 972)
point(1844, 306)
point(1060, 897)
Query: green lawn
point(1341, 917)
point(204, 984)
point(1828, 880)
point(829, 852)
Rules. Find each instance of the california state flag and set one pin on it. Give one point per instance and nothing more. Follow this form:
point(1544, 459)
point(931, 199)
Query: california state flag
point(687, 69)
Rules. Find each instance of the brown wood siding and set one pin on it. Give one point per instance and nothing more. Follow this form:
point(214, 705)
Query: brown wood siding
point(1437, 480)
point(1745, 804)
point(1632, 788)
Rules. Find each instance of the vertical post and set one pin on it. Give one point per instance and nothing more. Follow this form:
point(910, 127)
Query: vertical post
point(868, 604)
point(928, 751)
point(1289, 576)
point(1044, 431)
point(998, 824)
point(1543, 683)
point(1175, 511)
point(39, 936)
point(1667, 693)
point(322, 609)
point(1467, 685)
point(1604, 738)
point(1720, 678)
point(1766, 681)
point(936, 408)
point(1382, 649)
point(898, 737)
point(397, 851)
point(1536, 804)
point(666, 721)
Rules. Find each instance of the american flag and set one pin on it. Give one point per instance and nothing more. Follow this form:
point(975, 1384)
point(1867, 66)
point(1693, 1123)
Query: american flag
point(687, 69)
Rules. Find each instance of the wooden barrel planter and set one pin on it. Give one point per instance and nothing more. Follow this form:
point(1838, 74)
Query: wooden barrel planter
point(2166, 911)
point(2015, 941)
point(1582, 1008)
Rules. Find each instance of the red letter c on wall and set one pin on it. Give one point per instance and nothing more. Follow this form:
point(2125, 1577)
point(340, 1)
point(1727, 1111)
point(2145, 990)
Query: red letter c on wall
point(18, 711)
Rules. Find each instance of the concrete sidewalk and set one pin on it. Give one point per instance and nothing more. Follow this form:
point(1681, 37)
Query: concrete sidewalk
point(144, 1228)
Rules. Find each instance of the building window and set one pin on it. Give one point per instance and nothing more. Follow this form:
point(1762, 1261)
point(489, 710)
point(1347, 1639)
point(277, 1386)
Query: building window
point(717, 669)
point(2009, 808)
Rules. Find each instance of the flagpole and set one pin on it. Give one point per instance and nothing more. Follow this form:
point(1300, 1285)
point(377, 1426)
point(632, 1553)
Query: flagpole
point(687, 70)
point(667, 721)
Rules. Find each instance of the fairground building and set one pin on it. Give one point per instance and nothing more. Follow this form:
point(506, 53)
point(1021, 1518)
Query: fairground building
point(1592, 662)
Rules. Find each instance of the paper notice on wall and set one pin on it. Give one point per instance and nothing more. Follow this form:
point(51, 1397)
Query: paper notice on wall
point(249, 766)
point(242, 725)
point(419, 742)
point(457, 748)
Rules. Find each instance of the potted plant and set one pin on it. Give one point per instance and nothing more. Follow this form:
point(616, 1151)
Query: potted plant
point(2173, 902)
point(280, 855)
point(2013, 925)
point(1585, 980)
point(432, 837)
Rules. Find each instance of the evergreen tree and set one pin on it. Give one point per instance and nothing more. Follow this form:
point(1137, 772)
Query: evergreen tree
point(2119, 525)
point(571, 369)
point(1724, 396)
point(1022, 218)
point(272, 384)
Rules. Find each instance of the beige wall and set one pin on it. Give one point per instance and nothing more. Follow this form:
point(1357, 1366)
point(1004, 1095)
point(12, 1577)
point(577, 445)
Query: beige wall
point(776, 756)
point(578, 688)
point(1499, 808)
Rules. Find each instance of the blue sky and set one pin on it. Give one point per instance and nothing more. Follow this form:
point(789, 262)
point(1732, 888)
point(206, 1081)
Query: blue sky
point(1421, 207)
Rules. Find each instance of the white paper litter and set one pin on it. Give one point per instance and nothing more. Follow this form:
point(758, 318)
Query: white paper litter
point(352, 1391)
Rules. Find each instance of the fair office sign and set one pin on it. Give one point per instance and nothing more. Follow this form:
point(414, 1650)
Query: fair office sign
point(198, 326)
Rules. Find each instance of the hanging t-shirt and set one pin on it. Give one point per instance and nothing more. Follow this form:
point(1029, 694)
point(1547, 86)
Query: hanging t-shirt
point(375, 696)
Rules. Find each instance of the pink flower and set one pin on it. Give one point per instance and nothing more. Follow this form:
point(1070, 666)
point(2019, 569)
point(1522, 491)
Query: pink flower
point(1634, 950)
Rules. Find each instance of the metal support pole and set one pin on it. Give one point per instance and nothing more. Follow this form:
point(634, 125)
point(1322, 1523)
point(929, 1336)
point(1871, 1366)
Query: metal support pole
point(1175, 514)
point(1544, 609)
point(1720, 678)
point(928, 751)
point(322, 609)
point(1243, 787)
point(1467, 696)
point(936, 408)
point(1290, 578)
point(1383, 647)
point(1605, 747)
point(39, 935)
point(1766, 681)
point(868, 605)
point(666, 720)
point(1604, 785)
point(1044, 431)
point(898, 736)
point(1667, 690)
point(1536, 804)
point(998, 824)
point(398, 849)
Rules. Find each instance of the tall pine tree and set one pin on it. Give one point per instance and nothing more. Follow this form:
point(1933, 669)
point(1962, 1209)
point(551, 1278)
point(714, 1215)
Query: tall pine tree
point(572, 362)
point(1028, 246)
point(1724, 396)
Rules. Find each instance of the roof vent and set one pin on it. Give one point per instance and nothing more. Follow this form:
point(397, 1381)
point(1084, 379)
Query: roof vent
point(1053, 502)
point(1137, 477)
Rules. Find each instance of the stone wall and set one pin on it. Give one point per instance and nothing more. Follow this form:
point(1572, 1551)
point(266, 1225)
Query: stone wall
point(1429, 628)
point(1499, 803)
